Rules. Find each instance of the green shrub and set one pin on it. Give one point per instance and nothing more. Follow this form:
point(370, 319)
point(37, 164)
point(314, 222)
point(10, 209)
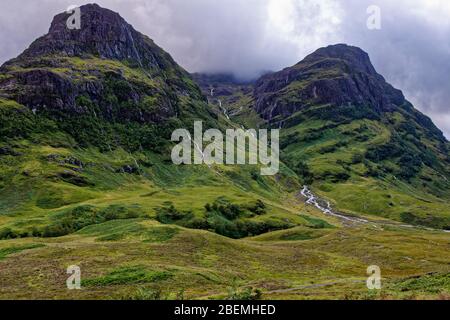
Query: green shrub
point(128, 275)
point(258, 208)
point(70, 221)
point(434, 283)
point(7, 233)
point(427, 221)
point(357, 158)
point(303, 171)
point(225, 218)
point(169, 214)
point(17, 121)
point(247, 294)
point(410, 166)
point(317, 223)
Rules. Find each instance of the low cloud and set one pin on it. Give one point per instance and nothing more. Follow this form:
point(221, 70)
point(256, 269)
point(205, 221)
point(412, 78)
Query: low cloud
point(247, 37)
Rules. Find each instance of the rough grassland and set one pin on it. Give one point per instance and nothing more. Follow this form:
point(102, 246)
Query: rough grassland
point(111, 230)
point(118, 258)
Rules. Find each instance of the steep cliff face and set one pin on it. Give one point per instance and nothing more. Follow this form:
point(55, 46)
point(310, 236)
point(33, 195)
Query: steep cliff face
point(105, 73)
point(104, 33)
point(336, 75)
point(114, 67)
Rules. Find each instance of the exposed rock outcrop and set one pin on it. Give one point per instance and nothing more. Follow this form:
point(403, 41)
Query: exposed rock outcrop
point(106, 69)
point(335, 75)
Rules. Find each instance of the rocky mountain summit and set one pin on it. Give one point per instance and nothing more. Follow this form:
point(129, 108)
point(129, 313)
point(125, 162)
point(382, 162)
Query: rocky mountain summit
point(105, 73)
point(335, 75)
point(105, 34)
point(65, 64)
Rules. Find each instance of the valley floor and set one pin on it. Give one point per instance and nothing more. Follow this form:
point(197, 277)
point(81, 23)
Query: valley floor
point(156, 261)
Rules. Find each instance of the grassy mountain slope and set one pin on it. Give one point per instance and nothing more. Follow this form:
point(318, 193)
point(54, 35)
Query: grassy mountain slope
point(86, 179)
point(350, 135)
point(90, 117)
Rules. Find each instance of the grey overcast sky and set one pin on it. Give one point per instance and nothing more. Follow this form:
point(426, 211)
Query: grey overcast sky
point(245, 37)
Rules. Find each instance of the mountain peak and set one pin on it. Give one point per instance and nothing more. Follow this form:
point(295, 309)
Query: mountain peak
point(355, 57)
point(335, 75)
point(105, 64)
point(103, 33)
point(91, 15)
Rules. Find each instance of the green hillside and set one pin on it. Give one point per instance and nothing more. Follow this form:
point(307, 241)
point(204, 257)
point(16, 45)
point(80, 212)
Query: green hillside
point(86, 178)
point(367, 150)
